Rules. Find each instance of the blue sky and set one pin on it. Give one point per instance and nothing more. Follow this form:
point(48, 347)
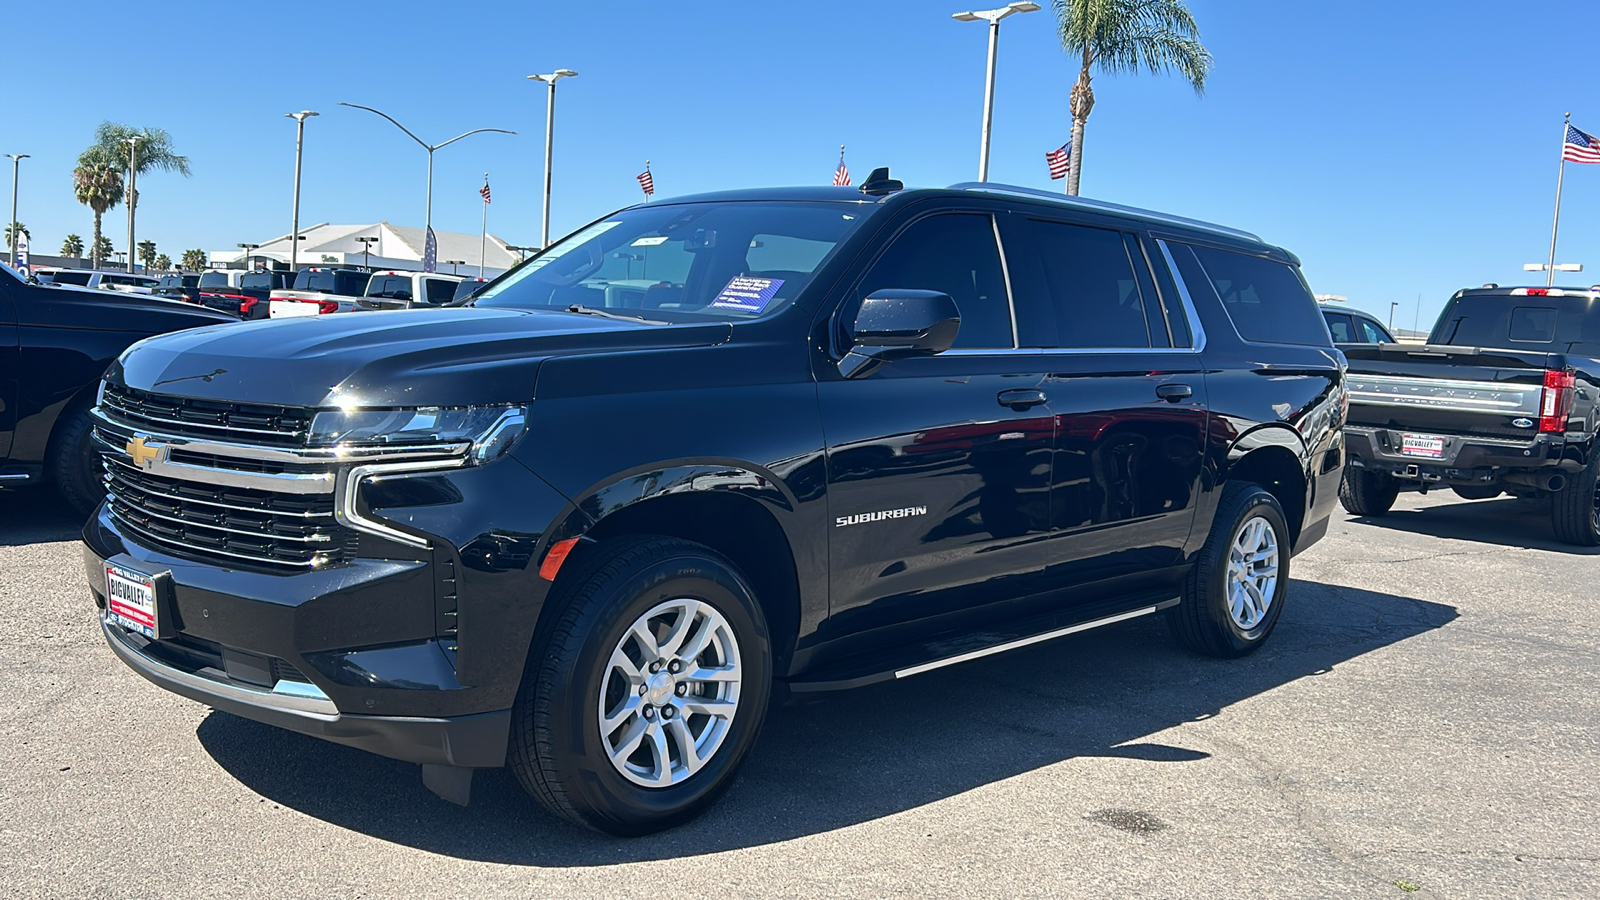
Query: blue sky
point(1399, 148)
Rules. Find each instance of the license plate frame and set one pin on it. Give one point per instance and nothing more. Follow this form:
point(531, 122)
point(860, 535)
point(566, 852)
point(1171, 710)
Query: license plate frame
point(1422, 446)
point(132, 600)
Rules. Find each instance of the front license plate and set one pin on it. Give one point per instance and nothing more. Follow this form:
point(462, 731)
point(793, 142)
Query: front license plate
point(131, 600)
point(1422, 445)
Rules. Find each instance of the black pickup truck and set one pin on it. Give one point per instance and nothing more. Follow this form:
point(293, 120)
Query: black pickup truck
point(1502, 398)
point(55, 343)
point(589, 526)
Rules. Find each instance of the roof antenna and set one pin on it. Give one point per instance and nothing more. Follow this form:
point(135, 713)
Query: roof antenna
point(879, 183)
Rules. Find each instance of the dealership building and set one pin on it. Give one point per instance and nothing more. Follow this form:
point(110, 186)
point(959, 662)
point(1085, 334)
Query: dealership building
point(385, 246)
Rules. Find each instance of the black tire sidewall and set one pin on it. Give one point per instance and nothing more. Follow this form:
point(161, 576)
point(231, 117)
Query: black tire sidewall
point(1256, 502)
point(74, 463)
point(598, 792)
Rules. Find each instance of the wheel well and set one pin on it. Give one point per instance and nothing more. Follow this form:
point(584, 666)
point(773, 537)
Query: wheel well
point(1277, 470)
point(82, 400)
point(738, 528)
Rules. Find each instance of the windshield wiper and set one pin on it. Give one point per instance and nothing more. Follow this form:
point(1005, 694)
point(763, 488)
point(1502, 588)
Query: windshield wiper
point(605, 314)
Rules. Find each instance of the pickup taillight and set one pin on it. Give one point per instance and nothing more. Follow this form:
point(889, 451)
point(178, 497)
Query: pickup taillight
point(1556, 402)
point(248, 304)
point(326, 306)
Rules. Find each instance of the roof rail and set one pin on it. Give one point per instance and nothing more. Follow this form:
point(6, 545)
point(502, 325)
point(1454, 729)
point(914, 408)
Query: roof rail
point(1065, 200)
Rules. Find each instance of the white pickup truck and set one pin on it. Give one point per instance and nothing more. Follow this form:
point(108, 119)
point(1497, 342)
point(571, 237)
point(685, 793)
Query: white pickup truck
point(318, 291)
point(409, 290)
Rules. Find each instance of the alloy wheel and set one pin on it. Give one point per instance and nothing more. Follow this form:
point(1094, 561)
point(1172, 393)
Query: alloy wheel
point(1252, 572)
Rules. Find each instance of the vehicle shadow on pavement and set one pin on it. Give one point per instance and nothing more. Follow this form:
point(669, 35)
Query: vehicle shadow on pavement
point(857, 756)
point(1504, 521)
point(36, 515)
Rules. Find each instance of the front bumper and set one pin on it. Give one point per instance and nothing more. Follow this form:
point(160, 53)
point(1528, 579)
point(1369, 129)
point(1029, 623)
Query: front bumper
point(477, 741)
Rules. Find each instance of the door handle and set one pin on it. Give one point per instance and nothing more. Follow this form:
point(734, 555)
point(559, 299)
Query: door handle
point(1172, 393)
point(1021, 398)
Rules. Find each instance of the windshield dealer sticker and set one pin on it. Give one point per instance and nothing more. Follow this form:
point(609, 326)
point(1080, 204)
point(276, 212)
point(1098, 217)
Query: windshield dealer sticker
point(747, 294)
point(649, 241)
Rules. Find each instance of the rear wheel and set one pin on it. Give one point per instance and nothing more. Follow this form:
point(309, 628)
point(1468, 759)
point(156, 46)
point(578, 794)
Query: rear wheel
point(1367, 493)
point(1575, 509)
point(647, 691)
point(1236, 592)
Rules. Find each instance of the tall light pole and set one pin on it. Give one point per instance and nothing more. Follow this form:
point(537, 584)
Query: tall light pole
point(366, 249)
point(993, 17)
point(549, 134)
point(299, 148)
point(16, 160)
point(247, 248)
point(133, 193)
point(428, 219)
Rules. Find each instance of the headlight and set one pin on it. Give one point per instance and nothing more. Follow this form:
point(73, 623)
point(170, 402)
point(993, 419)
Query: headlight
point(491, 430)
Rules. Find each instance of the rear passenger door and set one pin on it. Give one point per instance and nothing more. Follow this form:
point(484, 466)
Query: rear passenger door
point(1129, 397)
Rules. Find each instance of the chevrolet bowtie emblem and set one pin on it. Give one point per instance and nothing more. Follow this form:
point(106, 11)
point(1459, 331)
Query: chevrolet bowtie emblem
point(144, 455)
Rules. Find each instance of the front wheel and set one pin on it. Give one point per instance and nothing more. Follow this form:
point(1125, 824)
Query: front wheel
point(73, 465)
point(646, 691)
point(1575, 509)
point(1236, 592)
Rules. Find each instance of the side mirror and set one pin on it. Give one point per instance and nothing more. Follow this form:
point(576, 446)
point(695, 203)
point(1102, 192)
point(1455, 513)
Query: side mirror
point(897, 324)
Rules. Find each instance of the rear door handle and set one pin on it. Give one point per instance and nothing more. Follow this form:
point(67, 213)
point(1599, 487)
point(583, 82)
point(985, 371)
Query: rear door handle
point(1172, 393)
point(1021, 398)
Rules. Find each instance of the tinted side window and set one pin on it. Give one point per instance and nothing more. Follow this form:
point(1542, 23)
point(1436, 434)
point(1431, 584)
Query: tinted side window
point(1344, 331)
point(955, 254)
point(439, 291)
point(1092, 286)
point(79, 278)
point(214, 280)
point(260, 281)
point(1266, 300)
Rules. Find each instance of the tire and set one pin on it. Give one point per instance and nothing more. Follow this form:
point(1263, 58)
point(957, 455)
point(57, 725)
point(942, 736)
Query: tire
point(73, 465)
point(1476, 492)
point(1575, 509)
point(558, 750)
point(1364, 493)
point(1214, 618)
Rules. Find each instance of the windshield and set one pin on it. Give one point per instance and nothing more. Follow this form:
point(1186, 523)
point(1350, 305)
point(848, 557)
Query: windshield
point(684, 262)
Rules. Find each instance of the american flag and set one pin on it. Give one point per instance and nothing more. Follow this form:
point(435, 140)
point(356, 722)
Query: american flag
point(841, 175)
point(1579, 147)
point(484, 191)
point(1057, 159)
point(646, 183)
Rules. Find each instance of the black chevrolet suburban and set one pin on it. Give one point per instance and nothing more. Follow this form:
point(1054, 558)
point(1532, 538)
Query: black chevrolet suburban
point(710, 452)
point(1501, 399)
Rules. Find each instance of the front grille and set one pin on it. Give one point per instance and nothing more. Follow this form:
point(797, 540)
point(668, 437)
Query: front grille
point(249, 423)
point(225, 524)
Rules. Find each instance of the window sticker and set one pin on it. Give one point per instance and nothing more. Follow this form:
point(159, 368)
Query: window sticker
point(747, 294)
point(649, 241)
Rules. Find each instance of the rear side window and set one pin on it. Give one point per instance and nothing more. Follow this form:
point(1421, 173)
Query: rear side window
point(1533, 324)
point(955, 254)
point(1372, 332)
point(1093, 290)
point(439, 291)
point(262, 281)
point(214, 280)
point(79, 278)
point(390, 287)
point(1344, 331)
point(1266, 300)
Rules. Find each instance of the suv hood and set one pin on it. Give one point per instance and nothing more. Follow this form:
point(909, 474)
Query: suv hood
point(447, 357)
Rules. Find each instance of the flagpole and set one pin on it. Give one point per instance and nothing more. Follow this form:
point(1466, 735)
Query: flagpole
point(641, 187)
point(483, 236)
point(1561, 171)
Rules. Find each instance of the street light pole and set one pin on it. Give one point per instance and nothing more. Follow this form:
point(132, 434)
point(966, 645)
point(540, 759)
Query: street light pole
point(428, 221)
point(549, 137)
point(247, 248)
point(299, 148)
point(16, 160)
point(366, 250)
point(993, 17)
point(1392, 305)
point(133, 193)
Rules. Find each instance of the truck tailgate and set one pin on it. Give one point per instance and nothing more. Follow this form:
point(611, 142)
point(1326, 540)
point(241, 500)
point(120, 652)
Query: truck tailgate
point(1447, 390)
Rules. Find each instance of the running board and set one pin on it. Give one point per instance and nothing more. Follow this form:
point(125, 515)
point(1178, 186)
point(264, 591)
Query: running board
point(938, 656)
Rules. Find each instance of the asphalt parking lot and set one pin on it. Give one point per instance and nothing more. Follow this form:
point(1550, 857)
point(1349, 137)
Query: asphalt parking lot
point(1425, 722)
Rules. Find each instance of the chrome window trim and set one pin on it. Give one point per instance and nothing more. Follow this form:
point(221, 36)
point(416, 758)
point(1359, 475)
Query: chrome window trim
point(1005, 276)
point(1197, 331)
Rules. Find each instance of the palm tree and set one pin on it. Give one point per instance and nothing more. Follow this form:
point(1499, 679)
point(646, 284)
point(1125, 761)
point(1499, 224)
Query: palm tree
point(13, 229)
point(155, 154)
point(104, 250)
point(97, 183)
point(147, 253)
point(1125, 36)
point(193, 259)
point(72, 246)
point(163, 263)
